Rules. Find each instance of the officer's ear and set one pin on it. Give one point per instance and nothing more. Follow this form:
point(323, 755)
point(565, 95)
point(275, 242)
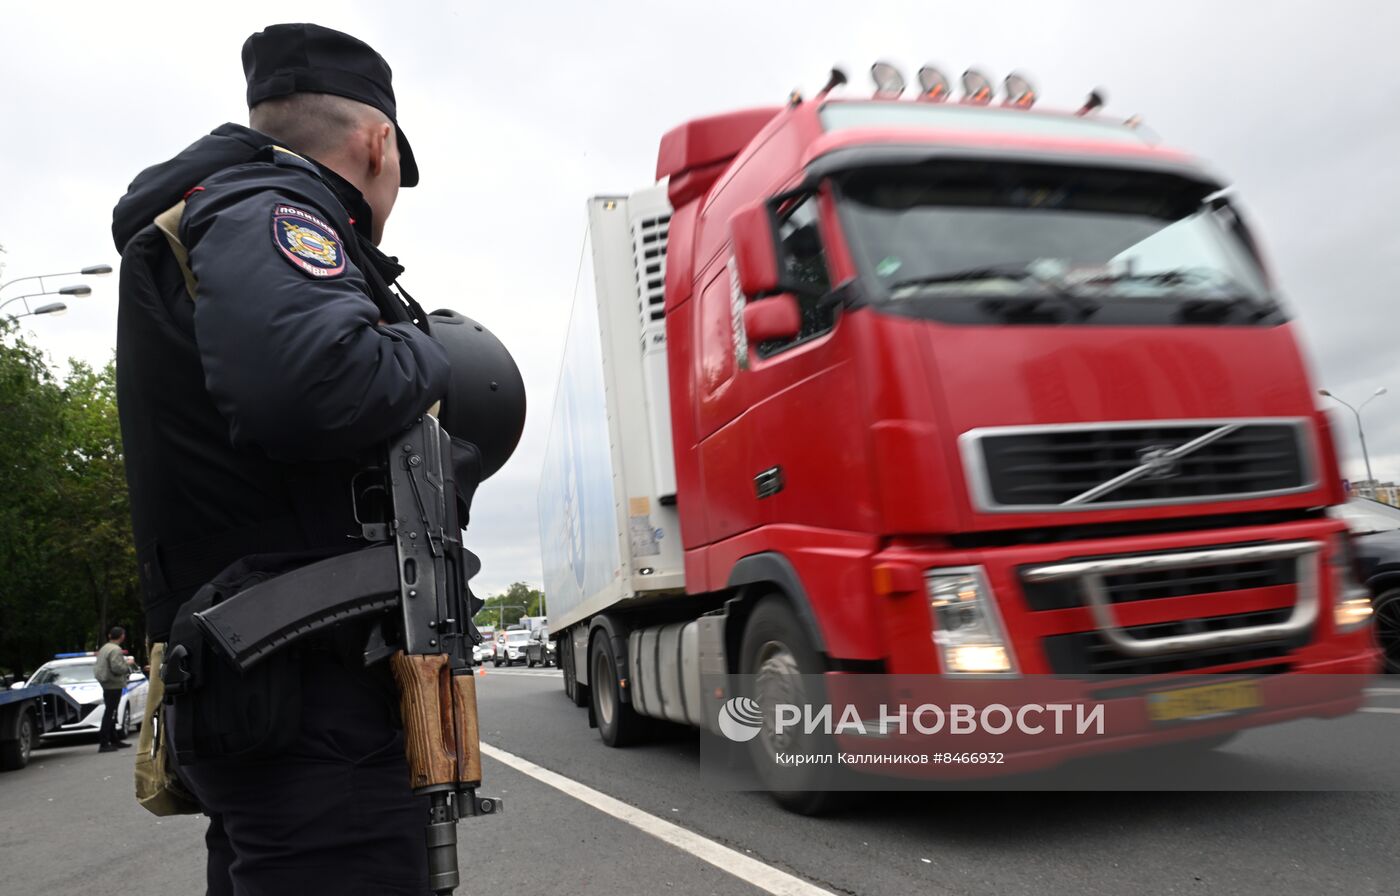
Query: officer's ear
point(379, 136)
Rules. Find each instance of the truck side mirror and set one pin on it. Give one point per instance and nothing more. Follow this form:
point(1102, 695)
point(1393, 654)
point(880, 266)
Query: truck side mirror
point(774, 319)
point(755, 250)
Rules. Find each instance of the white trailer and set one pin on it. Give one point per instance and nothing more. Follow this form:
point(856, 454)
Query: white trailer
point(608, 526)
point(609, 531)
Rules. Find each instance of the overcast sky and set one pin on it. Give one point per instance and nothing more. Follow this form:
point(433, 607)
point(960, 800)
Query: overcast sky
point(519, 111)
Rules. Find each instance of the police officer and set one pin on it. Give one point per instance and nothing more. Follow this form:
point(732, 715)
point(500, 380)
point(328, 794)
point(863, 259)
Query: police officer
point(260, 350)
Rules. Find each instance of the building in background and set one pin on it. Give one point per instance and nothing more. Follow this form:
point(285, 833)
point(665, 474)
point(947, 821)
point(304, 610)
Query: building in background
point(1385, 492)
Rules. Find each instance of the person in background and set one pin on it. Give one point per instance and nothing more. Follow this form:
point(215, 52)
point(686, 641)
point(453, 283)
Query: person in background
point(112, 672)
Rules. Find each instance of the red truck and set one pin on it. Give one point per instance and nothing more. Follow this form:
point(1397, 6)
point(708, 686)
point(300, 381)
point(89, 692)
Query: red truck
point(937, 386)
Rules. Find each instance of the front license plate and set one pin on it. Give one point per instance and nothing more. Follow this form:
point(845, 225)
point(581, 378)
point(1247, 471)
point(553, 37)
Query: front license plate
point(1203, 702)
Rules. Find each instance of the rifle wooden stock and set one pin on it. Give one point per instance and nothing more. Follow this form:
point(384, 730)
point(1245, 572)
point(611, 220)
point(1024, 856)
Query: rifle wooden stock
point(441, 735)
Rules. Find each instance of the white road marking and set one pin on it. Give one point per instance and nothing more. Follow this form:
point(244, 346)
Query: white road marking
point(1383, 690)
point(750, 870)
point(531, 672)
point(1386, 709)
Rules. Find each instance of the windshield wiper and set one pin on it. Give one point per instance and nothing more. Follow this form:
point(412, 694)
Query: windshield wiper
point(1082, 305)
point(1233, 298)
point(1173, 277)
point(1221, 308)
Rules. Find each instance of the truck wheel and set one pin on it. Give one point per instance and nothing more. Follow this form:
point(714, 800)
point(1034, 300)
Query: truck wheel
point(778, 661)
point(1387, 616)
point(14, 754)
point(573, 689)
point(618, 722)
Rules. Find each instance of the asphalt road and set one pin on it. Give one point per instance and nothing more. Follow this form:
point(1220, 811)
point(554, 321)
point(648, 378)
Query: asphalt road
point(583, 818)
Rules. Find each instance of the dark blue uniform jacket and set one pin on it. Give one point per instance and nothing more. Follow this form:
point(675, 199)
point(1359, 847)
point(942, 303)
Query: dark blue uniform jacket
point(246, 408)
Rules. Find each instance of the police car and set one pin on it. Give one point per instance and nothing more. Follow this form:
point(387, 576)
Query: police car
point(73, 672)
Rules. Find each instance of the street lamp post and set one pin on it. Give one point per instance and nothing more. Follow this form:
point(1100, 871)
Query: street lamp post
point(1360, 431)
point(92, 270)
point(501, 614)
point(51, 308)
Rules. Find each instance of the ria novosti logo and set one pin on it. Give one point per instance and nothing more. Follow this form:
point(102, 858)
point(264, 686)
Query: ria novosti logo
point(740, 719)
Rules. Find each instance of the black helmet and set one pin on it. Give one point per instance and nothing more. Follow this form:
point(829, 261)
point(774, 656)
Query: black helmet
point(485, 401)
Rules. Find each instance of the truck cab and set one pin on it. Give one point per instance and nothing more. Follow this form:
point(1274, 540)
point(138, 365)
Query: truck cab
point(950, 336)
point(954, 389)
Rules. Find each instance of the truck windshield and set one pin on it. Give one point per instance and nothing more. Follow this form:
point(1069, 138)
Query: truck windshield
point(980, 230)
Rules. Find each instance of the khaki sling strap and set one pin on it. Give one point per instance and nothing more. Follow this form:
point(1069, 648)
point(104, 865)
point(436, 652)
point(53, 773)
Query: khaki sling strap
point(159, 789)
point(168, 223)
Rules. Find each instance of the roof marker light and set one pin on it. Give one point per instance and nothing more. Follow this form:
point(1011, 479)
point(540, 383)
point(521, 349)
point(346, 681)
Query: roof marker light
point(836, 79)
point(1094, 101)
point(1019, 91)
point(933, 85)
point(889, 83)
point(976, 87)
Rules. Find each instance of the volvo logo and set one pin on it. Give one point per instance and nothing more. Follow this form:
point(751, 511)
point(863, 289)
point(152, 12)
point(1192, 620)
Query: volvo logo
point(1158, 462)
point(1155, 462)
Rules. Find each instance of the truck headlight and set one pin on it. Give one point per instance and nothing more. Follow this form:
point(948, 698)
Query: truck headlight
point(1351, 599)
point(966, 625)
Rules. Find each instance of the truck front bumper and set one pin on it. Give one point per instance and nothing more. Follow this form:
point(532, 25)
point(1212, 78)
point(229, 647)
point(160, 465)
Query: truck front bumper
point(1062, 644)
point(1315, 690)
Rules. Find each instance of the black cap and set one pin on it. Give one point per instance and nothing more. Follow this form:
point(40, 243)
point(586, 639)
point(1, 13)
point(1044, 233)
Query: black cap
point(305, 58)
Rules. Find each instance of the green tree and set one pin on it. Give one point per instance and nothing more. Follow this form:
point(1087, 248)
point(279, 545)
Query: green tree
point(510, 605)
point(30, 458)
point(67, 569)
point(96, 515)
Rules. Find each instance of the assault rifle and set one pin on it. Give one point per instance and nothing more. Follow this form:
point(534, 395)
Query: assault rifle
point(413, 580)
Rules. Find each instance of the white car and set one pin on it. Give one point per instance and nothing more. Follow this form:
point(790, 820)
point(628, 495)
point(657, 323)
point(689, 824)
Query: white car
point(73, 673)
point(513, 650)
point(486, 650)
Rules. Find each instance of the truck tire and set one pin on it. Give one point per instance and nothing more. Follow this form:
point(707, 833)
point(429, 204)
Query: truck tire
point(573, 689)
point(776, 659)
point(618, 723)
point(14, 754)
point(1387, 617)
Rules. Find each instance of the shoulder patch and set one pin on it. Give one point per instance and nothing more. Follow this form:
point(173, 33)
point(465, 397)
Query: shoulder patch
point(308, 242)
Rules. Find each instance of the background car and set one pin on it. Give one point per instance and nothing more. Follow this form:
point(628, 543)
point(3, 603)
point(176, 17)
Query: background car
point(539, 650)
point(486, 650)
point(1375, 528)
point(511, 649)
point(74, 674)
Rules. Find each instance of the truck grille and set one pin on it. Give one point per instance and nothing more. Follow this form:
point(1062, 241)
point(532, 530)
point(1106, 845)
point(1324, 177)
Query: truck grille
point(1165, 583)
point(1086, 653)
point(1059, 467)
